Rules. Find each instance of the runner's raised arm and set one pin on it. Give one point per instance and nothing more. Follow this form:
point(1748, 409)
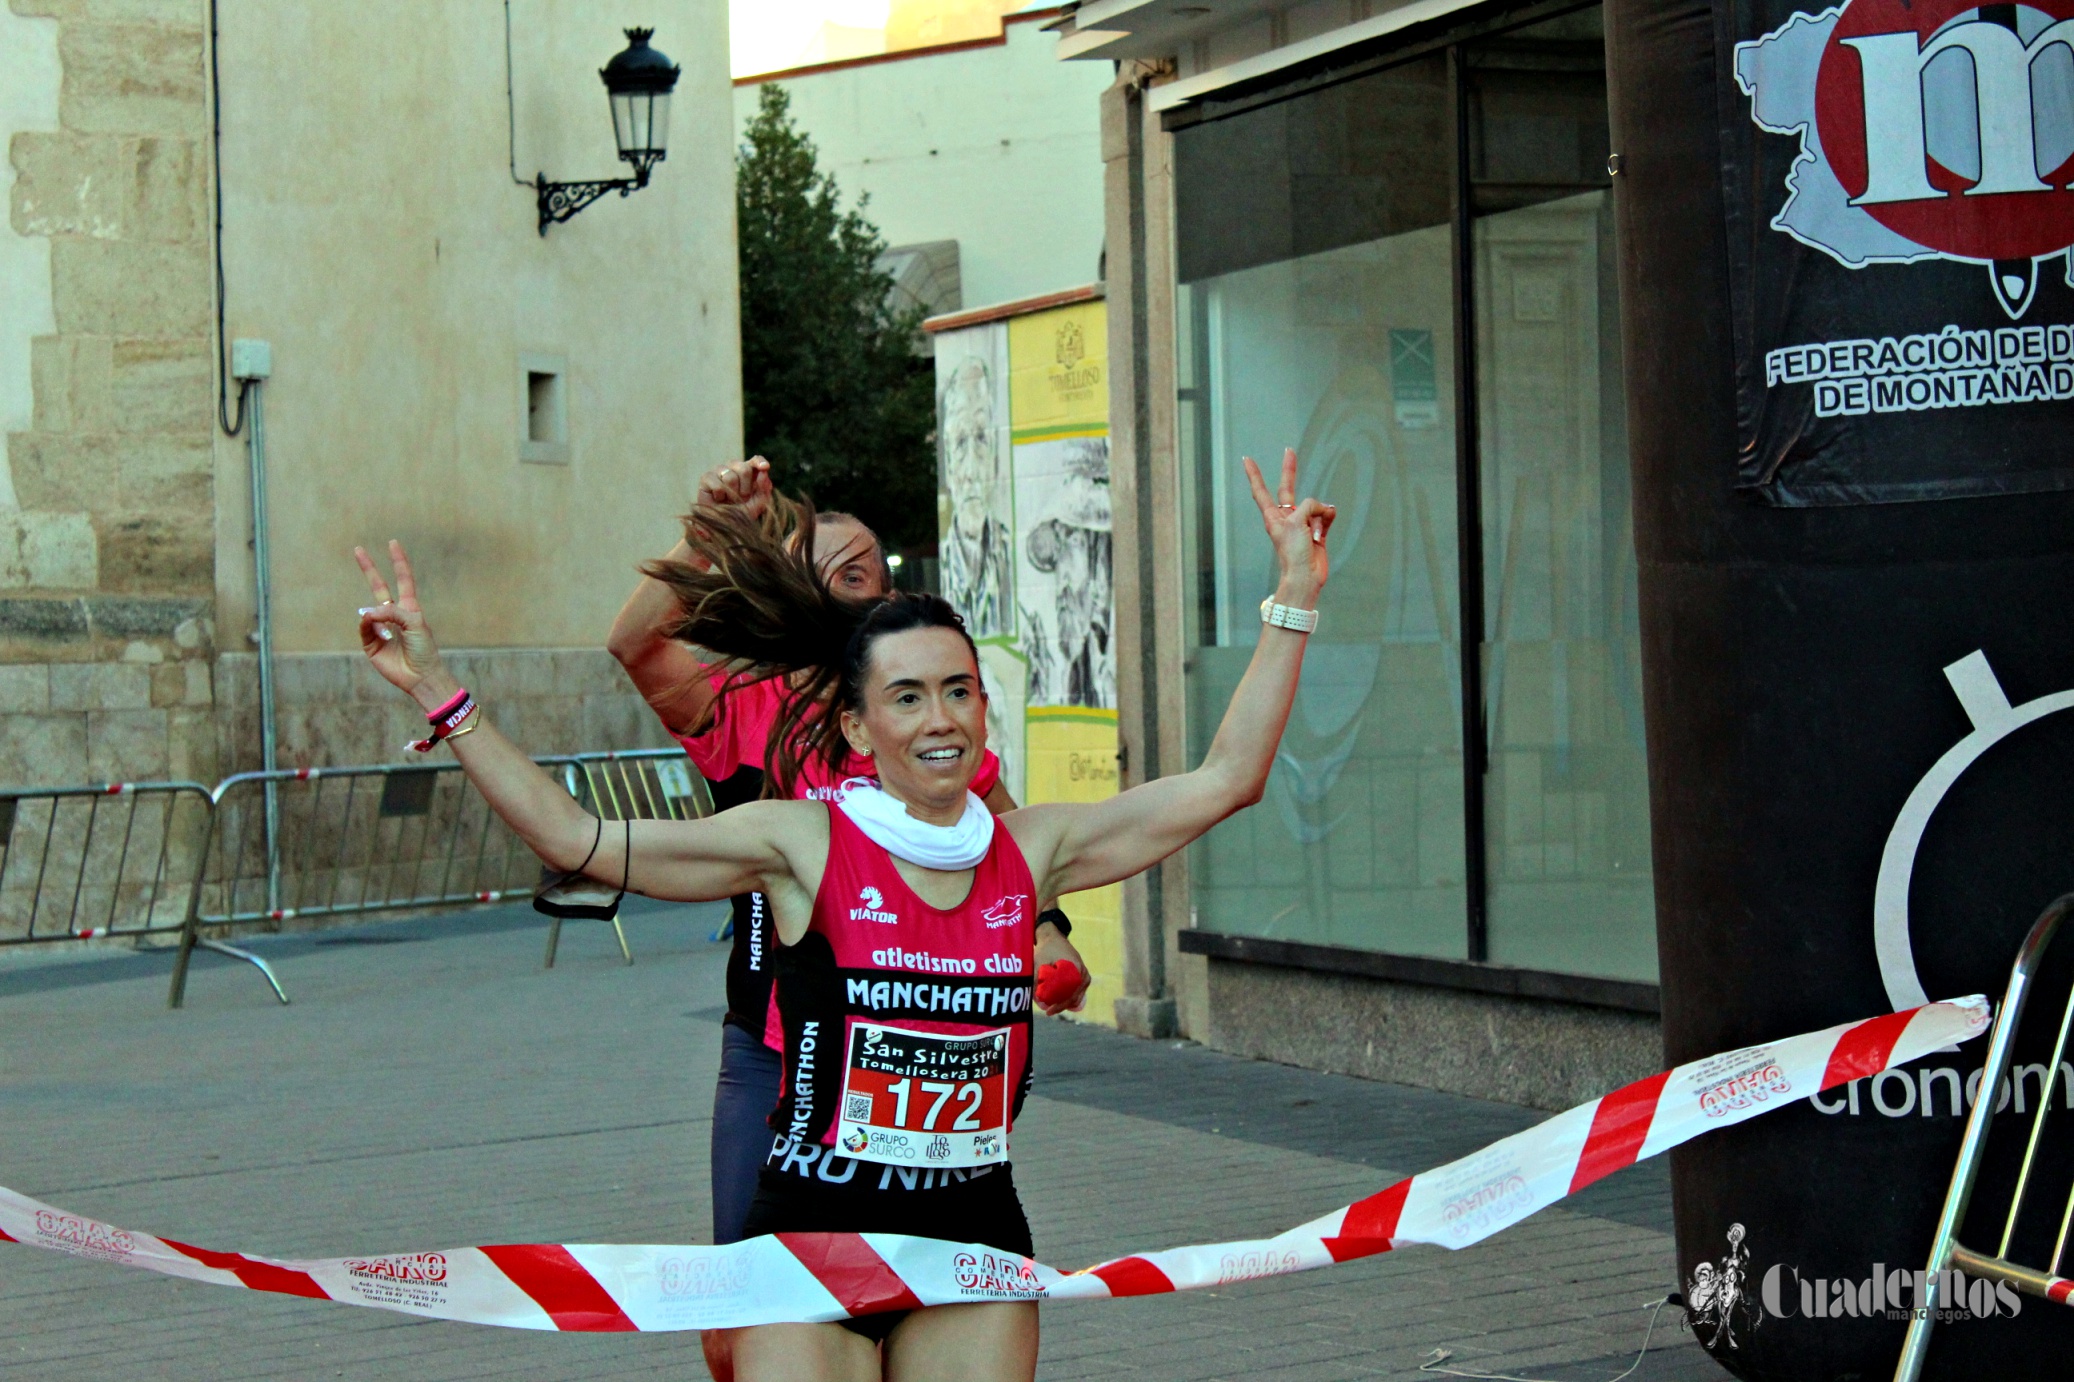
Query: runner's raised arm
point(686, 861)
point(1079, 846)
point(670, 676)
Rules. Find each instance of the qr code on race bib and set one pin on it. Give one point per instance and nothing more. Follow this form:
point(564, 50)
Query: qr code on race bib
point(857, 1108)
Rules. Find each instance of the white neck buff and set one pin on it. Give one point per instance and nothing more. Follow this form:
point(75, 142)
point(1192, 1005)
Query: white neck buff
point(885, 822)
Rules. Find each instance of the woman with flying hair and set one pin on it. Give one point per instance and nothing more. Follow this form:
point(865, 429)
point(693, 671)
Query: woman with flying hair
point(904, 911)
point(726, 725)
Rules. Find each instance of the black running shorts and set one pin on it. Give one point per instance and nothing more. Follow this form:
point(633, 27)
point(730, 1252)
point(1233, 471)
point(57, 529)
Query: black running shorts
point(983, 1209)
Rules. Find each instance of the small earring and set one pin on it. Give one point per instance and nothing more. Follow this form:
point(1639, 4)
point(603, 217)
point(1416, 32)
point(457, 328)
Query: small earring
point(865, 752)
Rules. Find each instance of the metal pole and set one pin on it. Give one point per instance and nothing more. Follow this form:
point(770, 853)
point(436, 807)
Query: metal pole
point(1469, 527)
point(190, 925)
point(255, 445)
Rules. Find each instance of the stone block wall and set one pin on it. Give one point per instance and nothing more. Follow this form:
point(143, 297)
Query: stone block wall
point(332, 710)
point(104, 689)
point(107, 539)
point(114, 479)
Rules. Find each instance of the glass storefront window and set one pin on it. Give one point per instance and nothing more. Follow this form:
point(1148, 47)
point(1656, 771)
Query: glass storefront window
point(1566, 807)
point(1345, 353)
point(1318, 240)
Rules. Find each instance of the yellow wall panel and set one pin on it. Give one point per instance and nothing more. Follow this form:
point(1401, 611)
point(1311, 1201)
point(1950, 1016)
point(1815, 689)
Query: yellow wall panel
point(1058, 372)
point(1045, 630)
point(1070, 753)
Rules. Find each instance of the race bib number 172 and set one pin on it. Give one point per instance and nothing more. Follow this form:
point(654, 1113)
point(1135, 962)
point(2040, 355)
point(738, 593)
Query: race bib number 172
point(924, 1098)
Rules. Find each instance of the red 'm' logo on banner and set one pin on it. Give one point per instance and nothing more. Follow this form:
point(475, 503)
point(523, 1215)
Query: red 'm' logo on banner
point(1931, 130)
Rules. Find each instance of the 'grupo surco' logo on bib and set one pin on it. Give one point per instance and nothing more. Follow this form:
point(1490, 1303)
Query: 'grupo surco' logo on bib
point(1931, 130)
point(873, 908)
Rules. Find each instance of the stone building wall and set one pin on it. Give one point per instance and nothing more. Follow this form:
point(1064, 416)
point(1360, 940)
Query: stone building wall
point(332, 710)
point(125, 569)
point(410, 302)
point(100, 689)
point(107, 567)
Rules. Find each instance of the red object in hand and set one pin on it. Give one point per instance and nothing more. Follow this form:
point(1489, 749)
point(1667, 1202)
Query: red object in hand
point(1057, 982)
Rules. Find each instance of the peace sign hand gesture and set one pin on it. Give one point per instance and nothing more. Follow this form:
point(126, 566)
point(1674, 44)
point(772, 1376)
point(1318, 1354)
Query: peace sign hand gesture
point(394, 635)
point(1298, 532)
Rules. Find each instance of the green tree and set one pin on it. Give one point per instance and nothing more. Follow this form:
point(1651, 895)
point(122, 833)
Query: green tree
point(832, 392)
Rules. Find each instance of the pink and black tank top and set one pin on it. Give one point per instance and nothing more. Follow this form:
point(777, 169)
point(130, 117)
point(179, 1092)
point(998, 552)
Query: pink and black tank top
point(730, 754)
point(906, 1026)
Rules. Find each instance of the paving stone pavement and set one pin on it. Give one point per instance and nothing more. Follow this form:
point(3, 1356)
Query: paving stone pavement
point(431, 1085)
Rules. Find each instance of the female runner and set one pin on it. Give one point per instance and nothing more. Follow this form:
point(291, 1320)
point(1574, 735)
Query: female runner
point(728, 732)
point(902, 968)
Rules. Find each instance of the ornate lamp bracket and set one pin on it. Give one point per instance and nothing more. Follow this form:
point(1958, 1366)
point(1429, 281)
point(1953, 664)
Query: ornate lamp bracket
point(561, 200)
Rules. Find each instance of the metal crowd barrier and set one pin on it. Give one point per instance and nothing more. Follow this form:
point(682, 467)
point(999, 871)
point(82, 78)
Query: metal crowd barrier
point(179, 859)
point(647, 784)
point(358, 839)
point(120, 859)
point(115, 860)
point(312, 842)
point(1948, 1257)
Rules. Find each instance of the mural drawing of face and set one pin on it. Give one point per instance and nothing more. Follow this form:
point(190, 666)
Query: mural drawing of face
point(976, 548)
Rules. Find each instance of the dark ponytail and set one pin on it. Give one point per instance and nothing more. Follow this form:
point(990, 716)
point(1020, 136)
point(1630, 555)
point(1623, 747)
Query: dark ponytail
point(763, 605)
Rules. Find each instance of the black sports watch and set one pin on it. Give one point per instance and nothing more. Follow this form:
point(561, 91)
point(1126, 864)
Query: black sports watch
point(1056, 918)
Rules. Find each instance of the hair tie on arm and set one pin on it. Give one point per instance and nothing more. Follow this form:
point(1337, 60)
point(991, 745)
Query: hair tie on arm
point(573, 897)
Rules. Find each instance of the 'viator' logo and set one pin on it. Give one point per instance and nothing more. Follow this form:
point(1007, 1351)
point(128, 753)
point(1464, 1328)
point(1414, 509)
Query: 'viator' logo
point(873, 907)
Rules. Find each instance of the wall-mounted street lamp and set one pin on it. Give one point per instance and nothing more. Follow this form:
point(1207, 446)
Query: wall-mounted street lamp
point(638, 81)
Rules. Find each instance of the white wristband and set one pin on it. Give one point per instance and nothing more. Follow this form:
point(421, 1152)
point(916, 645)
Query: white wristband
point(1288, 616)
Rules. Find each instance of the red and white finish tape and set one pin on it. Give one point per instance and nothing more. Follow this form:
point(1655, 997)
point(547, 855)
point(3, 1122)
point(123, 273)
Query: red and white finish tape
point(830, 1276)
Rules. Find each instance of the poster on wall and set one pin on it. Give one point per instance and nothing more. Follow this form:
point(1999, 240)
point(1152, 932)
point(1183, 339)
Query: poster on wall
point(1058, 396)
point(1899, 187)
point(1006, 678)
point(976, 517)
point(1025, 547)
point(1059, 402)
point(1062, 571)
